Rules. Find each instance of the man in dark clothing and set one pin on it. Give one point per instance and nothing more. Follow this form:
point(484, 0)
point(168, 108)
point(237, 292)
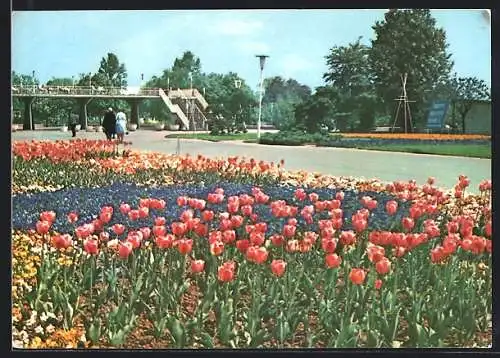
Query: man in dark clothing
point(109, 124)
point(73, 121)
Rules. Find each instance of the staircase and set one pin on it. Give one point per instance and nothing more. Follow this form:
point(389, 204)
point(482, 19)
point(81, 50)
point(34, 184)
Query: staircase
point(174, 108)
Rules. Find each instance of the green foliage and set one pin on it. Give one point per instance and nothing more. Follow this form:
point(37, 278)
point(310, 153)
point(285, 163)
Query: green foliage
point(294, 137)
point(408, 41)
point(466, 90)
point(279, 101)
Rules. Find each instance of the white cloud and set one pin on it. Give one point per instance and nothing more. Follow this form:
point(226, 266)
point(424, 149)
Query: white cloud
point(253, 47)
point(237, 27)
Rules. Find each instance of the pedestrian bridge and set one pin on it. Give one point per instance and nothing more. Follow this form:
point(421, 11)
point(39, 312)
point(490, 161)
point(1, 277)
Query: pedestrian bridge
point(187, 105)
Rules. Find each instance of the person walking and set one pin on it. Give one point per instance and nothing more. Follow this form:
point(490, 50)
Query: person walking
point(73, 122)
point(109, 123)
point(121, 125)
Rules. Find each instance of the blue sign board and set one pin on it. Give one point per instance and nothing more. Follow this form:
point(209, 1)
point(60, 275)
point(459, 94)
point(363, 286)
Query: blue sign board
point(437, 114)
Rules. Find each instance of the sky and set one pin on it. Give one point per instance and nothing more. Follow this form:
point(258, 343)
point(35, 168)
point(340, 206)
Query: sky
point(67, 43)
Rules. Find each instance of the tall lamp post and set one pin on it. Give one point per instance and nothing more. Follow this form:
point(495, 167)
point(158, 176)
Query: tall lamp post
point(33, 78)
point(262, 62)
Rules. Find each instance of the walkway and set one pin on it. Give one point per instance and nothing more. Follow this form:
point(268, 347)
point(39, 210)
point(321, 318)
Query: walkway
point(386, 166)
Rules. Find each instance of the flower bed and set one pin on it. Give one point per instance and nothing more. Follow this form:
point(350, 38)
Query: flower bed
point(228, 262)
point(419, 136)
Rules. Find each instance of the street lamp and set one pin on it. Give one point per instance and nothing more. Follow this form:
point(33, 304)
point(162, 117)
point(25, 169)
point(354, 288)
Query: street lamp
point(33, 77)
point(262, 61)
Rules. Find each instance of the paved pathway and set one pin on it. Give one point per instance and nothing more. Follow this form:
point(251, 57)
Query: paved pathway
point(386, 166)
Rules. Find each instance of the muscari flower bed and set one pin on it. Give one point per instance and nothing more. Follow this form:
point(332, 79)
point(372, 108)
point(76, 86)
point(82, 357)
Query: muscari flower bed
point(239, 265)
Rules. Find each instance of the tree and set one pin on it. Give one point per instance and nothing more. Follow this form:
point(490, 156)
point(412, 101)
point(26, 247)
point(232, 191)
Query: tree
point(317, 112)
point(466, 90)
point(231, 106)
point(280, 98)
point(408, 41)
point(349, 72)
point(111, 72)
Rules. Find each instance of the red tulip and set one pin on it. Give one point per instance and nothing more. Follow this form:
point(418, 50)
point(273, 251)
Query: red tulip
point(378, 284)
point(375, 253)
point(217, 248)
point(62, 241)
point(408, 223)
point(49, 216)
point(207, 215)
point(182, 201)
point(257, 238)
point(337, 223)
point(225, 273)
point(236, 221)
point(179, 228)
point(135, 238)
point(289, 231)
point(242, 245)
point(391, 207)
point(105, 217)
point(118, 229)
point(261, 255)
point(228, 236)
point(160, 220)
point(300, 194)
point(277, 240)
point(261, 227)
point(98, 225)
point(125, 249)
point(133, 214)
point(104, 236)
point(72, 217)
point(347, 238)
point(125, 209)
point(90, 246)
point(292, 221)
point(83, 231)
point(478, 245)
point(359, 225)
point(487, 229)
point(247, 210)
point(383, 266)
point(233, 207)
point(313, 197)
point(333, 260)
point(437, 254)
point(144, 203)
point(165, 242)
point(184, 246)
point(292, 246)
point(197, 266)
point(357, 276)
point(146, 232)
point(453, 227)
point(42, 227)
point(225, 224)
point(328, 245)
point(187, 215)
point(278, 267)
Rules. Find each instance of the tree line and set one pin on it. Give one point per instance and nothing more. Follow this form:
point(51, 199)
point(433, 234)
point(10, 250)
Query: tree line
point(360, 86)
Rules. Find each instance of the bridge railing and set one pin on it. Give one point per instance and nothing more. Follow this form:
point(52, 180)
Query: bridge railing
point(82, 91)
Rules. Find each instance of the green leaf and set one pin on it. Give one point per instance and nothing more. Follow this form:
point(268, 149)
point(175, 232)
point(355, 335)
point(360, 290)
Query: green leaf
point(206, 340)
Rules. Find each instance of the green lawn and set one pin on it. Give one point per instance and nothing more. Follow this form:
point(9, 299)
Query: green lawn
point(215, 138)
point(461, 150)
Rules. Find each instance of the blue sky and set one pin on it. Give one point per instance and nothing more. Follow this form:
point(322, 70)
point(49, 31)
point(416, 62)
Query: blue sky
point(66, 43)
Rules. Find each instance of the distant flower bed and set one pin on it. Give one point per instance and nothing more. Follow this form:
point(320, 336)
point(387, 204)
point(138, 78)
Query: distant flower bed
point(419, 136)
point(352, 142)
